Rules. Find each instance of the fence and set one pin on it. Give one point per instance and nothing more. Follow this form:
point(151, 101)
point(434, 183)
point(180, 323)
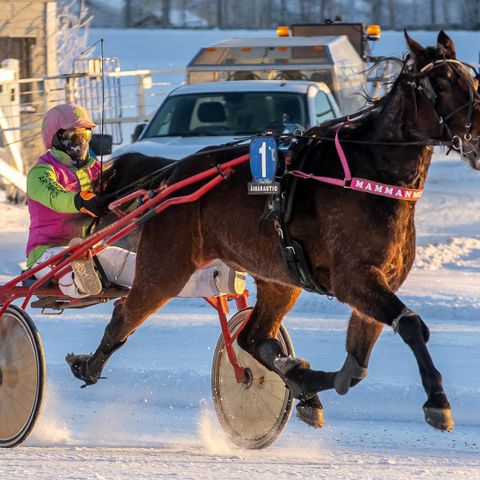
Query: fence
point(123, 98)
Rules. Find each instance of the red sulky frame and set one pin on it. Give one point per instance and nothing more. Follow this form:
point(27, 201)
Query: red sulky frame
point(153, 202)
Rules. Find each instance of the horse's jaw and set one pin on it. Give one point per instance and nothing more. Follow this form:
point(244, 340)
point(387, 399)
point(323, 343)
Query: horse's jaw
point(472, 155)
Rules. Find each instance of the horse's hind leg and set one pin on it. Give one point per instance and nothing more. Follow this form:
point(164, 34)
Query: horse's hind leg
point(369, 293)
point(362, 335)
point(274, 300)
point(162, 270)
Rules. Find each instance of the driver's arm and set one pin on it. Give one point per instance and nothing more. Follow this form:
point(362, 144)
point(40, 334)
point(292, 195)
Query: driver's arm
point(43, 187)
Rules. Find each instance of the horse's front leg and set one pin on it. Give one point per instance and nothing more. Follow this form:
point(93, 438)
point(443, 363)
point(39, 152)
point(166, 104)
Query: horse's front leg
point(274, 300)
point(368, 292)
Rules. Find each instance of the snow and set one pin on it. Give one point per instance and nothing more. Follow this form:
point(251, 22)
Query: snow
point(153, 417)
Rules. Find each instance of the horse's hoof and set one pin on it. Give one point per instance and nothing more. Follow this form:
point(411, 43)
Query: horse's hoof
point(311, 413)
point(80, 368)
point(439, 418)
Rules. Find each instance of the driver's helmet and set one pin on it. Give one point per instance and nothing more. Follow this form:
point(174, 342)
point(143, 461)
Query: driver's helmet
point(64, 117)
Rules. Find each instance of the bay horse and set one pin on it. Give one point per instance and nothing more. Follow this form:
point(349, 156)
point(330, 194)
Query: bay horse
point(360, 246)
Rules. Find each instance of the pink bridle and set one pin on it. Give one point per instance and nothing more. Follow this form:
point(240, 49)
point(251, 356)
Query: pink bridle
point(361, 184)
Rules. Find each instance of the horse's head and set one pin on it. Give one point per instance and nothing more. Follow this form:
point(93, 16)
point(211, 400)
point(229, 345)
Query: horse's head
point(450, 92)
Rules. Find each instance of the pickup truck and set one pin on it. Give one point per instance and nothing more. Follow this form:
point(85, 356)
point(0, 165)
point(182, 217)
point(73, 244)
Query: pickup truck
point(195, 116)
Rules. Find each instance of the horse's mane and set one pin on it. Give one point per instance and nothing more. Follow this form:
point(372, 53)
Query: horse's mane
point(133, 170)
point(364, 118)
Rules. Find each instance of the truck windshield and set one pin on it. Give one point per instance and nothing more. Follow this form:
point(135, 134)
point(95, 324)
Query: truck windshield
point(228, 114)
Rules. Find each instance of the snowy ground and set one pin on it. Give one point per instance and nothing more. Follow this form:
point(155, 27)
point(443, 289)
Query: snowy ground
point(153, 417)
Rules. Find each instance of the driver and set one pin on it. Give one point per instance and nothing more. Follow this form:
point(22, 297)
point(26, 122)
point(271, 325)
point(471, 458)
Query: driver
point(62, 202)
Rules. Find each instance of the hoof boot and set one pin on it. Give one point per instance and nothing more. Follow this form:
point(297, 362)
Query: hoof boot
point(311, 412)
point(79, 365)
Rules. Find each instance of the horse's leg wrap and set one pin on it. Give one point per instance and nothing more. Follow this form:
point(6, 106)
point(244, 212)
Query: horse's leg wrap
point(269, 352)
point(350, 372)
point(302, 382)
point(89, 367)
point(405, 313)
point(293, 372)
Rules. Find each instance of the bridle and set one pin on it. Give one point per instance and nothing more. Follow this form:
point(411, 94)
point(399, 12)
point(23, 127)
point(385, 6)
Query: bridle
point(421, 82)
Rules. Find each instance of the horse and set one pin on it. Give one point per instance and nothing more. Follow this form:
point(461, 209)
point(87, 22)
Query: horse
point(360, 246)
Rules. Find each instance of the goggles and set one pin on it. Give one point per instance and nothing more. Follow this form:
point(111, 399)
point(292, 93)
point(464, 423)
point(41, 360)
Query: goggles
point(78, 135)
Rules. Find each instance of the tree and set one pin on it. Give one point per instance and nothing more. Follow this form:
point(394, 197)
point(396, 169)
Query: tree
point(392, 13)
point(377, 11)
point(433, 11)
point(166, 7)
point(220, 14)
point(127, 10)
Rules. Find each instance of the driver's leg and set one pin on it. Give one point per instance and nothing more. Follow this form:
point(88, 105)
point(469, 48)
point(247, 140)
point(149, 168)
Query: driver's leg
point(66, 283)
point(215, 279)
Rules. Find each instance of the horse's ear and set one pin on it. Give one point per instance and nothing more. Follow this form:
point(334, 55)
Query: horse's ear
point(415, 47)
point(445, 43)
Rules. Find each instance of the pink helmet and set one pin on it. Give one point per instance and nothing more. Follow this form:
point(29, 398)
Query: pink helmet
point(64, 117)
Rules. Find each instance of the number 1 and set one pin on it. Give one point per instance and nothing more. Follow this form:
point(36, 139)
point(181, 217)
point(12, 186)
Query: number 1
point(263, 151)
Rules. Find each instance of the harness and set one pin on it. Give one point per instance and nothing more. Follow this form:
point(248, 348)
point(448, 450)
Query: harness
point(279, 210)
point(279, 207)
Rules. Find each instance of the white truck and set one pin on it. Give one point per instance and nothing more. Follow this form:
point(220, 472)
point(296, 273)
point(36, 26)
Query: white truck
point(196, 116)
point(244, 86)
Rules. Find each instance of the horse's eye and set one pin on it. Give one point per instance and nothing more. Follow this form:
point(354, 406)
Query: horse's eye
point(442, 86)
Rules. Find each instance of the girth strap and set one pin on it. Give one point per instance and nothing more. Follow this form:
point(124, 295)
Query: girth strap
point(280, 210)
point(296, 261)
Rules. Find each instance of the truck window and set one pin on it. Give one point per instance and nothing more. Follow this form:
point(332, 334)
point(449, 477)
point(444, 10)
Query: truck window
point(264, 55)
point(323, 109)
point(229, 114)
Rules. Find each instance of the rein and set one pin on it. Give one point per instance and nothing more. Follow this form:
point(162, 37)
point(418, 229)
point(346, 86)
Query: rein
point(361, 184)
point(401, 193)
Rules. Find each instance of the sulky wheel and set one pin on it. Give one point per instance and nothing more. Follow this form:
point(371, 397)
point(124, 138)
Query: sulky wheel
point(254, 413)
point(22, 376)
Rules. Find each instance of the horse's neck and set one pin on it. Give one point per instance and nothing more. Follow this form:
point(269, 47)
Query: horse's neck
point(401, 120)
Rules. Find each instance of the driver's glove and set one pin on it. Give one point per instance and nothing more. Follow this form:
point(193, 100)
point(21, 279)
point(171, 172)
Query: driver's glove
point(91, 204)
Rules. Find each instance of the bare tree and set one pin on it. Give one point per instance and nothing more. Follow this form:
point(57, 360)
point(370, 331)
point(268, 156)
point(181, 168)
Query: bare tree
point(433, 12)
point(377, 11)
point(219, 14)
point(446, 13)
point(391, 8)
point(324, 8)
point(71, 35)
point(127, 11)
point(283, 11)
point(166, 7)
